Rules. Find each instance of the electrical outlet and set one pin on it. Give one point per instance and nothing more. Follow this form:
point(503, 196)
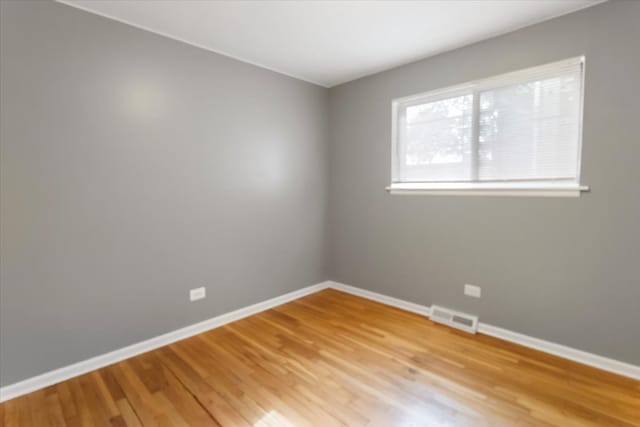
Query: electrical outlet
point(198, 293)
point(473, 291)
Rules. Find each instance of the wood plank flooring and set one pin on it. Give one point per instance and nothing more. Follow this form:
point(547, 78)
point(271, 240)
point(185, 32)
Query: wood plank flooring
point(333, 359)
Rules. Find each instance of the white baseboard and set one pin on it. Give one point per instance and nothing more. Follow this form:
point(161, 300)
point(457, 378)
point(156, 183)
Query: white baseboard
point(384, 299)
point(594, 360)
point(600, 362)
point(53, 377)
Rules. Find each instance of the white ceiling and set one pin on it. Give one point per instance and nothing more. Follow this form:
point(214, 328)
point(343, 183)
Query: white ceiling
point(330, 42)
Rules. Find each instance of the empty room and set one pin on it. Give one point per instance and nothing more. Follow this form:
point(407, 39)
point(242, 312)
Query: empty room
point(295, 213)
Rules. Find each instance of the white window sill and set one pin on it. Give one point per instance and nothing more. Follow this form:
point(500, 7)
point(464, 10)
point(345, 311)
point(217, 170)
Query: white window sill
point(489, 189)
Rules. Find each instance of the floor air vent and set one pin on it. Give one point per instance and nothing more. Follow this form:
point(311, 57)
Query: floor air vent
point(455, 319)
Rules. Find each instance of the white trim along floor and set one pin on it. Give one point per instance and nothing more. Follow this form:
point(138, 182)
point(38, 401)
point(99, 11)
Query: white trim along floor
point(53, 377)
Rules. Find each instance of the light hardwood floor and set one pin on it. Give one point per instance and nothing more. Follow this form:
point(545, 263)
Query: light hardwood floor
point(332, 359)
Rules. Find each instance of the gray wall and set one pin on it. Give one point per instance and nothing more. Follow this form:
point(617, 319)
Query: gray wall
point(565, 270)
point(134, 168)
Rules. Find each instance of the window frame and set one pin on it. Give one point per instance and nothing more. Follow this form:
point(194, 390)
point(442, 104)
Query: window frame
point(541, 187)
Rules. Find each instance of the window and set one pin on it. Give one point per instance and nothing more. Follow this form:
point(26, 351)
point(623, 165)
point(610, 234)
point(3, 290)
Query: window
point(518, 133)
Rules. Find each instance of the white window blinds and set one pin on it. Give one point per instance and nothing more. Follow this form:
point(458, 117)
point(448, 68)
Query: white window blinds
point(518, 127)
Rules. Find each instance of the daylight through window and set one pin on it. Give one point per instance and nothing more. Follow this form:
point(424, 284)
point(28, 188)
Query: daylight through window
point(520, 130)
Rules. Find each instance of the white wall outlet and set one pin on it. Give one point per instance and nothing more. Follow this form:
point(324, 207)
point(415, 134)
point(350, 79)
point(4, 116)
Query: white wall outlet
point(473, 291)
point(198, 293)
